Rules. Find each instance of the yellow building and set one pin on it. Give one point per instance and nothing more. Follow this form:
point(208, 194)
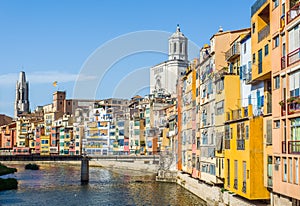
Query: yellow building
point(244, 154)
point(45, 145)
point(262, 34)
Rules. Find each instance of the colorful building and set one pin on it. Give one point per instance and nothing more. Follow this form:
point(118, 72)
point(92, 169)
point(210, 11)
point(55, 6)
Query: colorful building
point(283, 163)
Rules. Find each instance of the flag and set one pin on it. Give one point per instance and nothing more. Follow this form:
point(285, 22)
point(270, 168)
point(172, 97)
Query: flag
point(55, 83)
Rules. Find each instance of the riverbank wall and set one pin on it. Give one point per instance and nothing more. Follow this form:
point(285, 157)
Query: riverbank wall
point(147, 165)
point(213, 195)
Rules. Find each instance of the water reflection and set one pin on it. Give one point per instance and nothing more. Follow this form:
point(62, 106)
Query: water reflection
point(56, 184)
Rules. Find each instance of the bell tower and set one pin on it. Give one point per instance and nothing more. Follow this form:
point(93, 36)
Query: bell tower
point(178, 44)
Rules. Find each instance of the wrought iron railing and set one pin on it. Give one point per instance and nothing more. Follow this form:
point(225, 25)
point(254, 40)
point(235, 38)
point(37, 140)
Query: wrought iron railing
point(294, 147)
point(293, 57)
point(293, 13)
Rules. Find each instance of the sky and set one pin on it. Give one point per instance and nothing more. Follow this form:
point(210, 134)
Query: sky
point(100, 48)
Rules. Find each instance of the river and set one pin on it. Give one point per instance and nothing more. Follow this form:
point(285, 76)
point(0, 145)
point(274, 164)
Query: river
point(59, 184)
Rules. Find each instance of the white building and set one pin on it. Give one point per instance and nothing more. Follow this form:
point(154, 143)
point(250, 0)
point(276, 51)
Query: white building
point(163, 76)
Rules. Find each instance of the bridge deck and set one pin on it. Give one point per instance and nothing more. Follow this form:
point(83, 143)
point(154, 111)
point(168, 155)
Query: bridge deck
point(74, 157)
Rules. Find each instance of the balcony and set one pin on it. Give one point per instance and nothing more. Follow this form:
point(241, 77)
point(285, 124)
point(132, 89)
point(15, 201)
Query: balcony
point(256, 6)
point(283, 63)
point(240, 144)
point(234, 51)
point(293, 13)
point(263, 33)
point(293, 105)
point(293, 57)
point(283, 147)
point(294, 147)
point(227, 143)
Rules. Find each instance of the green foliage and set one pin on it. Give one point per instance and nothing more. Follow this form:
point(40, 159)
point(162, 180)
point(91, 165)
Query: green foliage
point(8, 184)
point(4, 170)
point(32, 167)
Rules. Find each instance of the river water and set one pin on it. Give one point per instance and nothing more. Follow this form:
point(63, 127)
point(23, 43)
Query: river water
point(59, 184)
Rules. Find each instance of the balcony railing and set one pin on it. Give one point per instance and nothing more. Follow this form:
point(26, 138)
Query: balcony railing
point(294, 107)
point(293, 57)
point(293, 13)
point(227, 143)
point(283, 63)
point(263, 33)
point(256, 6)
point(294, 147)
point(240, 144)
point(283, 147)
point(233, 51)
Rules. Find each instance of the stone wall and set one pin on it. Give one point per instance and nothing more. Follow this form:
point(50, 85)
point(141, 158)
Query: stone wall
point(211, 194)
point(145, 165)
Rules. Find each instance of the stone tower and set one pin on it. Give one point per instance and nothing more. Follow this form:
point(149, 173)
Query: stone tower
point(22, 95)
point(163, 76)
point(178, 44)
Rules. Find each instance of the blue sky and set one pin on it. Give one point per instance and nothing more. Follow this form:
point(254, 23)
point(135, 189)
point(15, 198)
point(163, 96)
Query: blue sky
point(54, 40)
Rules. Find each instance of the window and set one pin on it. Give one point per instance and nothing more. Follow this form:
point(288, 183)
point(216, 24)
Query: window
point(174, 47)
point(253, 28)
point(235, 174)
point(290, 170)
point(266, 49)
point(296, 171)
point(294, 84)
point(276, 82)
point(220, 107)
point(180, 47)
point(275, 3)
point(277, 124)
point(283, 9)
point(276, 41)
point(220, 85)
point(294, 39)
point(247, 131)
point(228, 172)
point(284, 170)
point(260, 61)
point(253, 58)
point(245, 48)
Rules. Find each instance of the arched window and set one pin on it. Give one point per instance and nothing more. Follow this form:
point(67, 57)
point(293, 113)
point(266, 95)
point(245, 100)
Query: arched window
point(174, 47)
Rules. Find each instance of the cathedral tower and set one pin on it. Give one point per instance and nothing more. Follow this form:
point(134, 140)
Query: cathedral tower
point(22, 95)
point(178, 44)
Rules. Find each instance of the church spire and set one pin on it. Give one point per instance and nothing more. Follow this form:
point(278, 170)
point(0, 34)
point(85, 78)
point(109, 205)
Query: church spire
point(22, 95)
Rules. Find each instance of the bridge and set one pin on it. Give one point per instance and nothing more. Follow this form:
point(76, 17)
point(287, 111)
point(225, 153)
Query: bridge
point(40, 158)
point(141, 162)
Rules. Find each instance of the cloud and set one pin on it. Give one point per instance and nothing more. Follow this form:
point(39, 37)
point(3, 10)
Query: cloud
point(43, 78)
